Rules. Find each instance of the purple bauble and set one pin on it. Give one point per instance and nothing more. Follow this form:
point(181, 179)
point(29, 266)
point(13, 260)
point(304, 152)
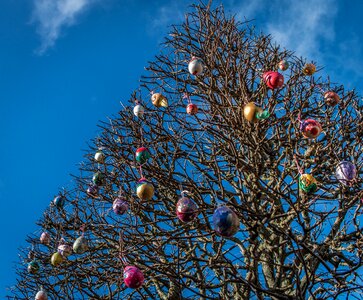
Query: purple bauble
point(186, 209)
point(93, 190)
point(346, 172)
point(133, 277)
point(225, 221)
point(120, 206)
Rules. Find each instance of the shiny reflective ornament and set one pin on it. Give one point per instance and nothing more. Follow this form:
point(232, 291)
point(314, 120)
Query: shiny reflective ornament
point(142, 155)
point(93, 190)
point(273, 79)
point(80, 245)
point(307, 183)
point(192, 109)
point(144, 190)
point(98, 179)
point(133, 277)
point(195, 66)
point(33, 267)
point(56, 259)
point(283, 65)
point(310, 128)
point(41, 295)
point(45, 238)
point(309, 69)
point(100, 157)
point(331, 98)
point(139, 110)
point(159, 100)
point(186, 209)
point(120, 206)
point(65, 250)
point(59, 201)
point(346, 172)
point(252, 112)
point(225, 221)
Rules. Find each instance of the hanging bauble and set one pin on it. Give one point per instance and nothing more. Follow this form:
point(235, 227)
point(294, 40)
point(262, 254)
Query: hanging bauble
point(31, 254)
point(159, 100)
point(59, 201)
point(98, 179)
point(133, 277)
point(100, 157)
point(346, 172)
point(273, 79)
point(93, 190)
point(226, 222)
point(139, 110)
point(186, 209)
point(331, 98)
point(309, 69)
point(45, 238)
point(195, 66)
point(192, 109)
point(33, 267)
point(252, 112)
point(65, 250)
point(144, 190)
point(307, 183)
point(310, 128)
point(283, 65)
point(142, 155)
point(41, 295)
point(56, 259)
point(80, 245)
point(120, 206)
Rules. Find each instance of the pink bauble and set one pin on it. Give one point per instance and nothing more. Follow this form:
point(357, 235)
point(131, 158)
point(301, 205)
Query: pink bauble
point(186, 209)
point(273, 79)
point(120, 206)
point(41, 295)
point(133, 277)
point(45, 238)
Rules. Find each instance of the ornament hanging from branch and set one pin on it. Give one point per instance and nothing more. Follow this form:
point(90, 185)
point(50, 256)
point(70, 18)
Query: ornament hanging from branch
point(59, 201)
point(346, 173)
point(195, 66)
point(33, 267)
point(225, 221)
point(56, 259)
point(309, 69)
point(283, 65)
point(192, 108)
point(159, 100)
point(80, 245)
point(41, 295)
point(274, 80)
point(253, 113)
point(142, 155)
point(307, 182)
point(45, 238)
point(186, 209)
point(331, 98)
point(310, 128)
point(100, 156)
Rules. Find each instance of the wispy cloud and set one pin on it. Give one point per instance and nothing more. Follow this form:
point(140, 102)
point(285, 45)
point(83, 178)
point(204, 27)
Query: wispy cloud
point(53, 16)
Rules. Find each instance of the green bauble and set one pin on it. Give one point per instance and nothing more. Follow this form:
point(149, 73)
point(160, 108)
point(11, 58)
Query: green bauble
point(80, 245)
point(307, 183)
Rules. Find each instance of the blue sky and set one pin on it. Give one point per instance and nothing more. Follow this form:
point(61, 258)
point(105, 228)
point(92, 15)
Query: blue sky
point(66, 64)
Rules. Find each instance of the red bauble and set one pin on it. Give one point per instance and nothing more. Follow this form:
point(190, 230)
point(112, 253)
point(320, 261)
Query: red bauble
point(310, 128)
point(186, 209)
point(133, 277)
point(273, 79)
point(192, 109)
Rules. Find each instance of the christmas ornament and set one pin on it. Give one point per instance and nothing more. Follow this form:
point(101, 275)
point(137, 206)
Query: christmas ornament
point(331, 98)
point(186, 209)
point(120, 206)
point(226, 222)
point(100, 157)
point(145, 190)
point(142, 155)
point(56, 259)
point(65, 250)
point(41, 295)
point(195, 66)
point(133, 277)
point(31, 254)
point(139, 110)
point(98, 179)
point(253, 113)
point(45, 238)
point(59, 201)
point(346, 172)
point(192, 109)
point(273, 79)
point(93, 190)
point(159, 100)
point(33, 267)
point(307, 183)
point(310, 128)
point(283, 65)
point(80, 245)
point(309, 69)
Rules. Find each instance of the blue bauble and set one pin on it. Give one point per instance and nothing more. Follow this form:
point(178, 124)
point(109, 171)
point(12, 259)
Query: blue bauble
point(59, 201)
point(225, 221)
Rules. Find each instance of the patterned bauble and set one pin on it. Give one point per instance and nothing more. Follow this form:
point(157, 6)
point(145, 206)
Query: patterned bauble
point(80, 245)
point(100, 157)
point(98, 179)
point(144, 190)
point(120, 206)
point(310, 128)
point(159, 100)
point(283, 65)
point(307, 183)
point(45, 238)
point(226, 222)
point(331, 98)
point(346, 172)
point(33, 267)
point(186, 209)
point(133, 277)
point(139, 110)
point(192, 109)
point(93, 190)
point(56, 259)
point(59, 201)
point(309, 69)
point(195, 66)
point(41, 295)
point(273, 79)
point(142, 155)
point(65, 250)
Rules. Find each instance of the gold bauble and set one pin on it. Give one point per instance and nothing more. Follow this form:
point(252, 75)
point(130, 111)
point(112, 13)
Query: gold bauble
point(145, 191)
point(57, 259)
point(159, 100)
point(250, 110)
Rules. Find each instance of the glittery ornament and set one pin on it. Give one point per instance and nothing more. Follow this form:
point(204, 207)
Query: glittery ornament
point(120, 206)
point(59, 201)
point(98, 179)
point(139, 110)
point(283, 65)
point(309, 69)
point(192, 109)
point(273, 79)
point(144, 190)
point(80, 245)
point(226, 222)
point(186, 209)
point(56, 259)
point(41, 295)
point(33, 267)
point(346, 172)
point(65, 250)
point(45, 238)
point(159, 100)
point(310, 128)
point(142, 155)
point(93, 190)
point(99, 157)
point(331, 98)
point(252, 112)
point(195, 66)
point(133, 277)
point(307, 183)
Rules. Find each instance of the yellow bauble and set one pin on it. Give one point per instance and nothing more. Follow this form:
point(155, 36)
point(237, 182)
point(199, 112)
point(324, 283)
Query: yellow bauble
point(145, 191)
point(159, 100)
point(57, 259)
point(250, 110)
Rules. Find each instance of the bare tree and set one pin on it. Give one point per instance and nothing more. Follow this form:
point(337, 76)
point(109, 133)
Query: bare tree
point(250, 182)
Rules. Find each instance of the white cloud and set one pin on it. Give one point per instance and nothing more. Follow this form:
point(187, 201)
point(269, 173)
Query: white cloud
point(52, 16)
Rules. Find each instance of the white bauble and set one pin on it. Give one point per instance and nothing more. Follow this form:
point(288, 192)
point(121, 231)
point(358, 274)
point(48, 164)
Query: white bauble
point(100, 157)
point(195, 66)
point(41, 295)
point(138, 110)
